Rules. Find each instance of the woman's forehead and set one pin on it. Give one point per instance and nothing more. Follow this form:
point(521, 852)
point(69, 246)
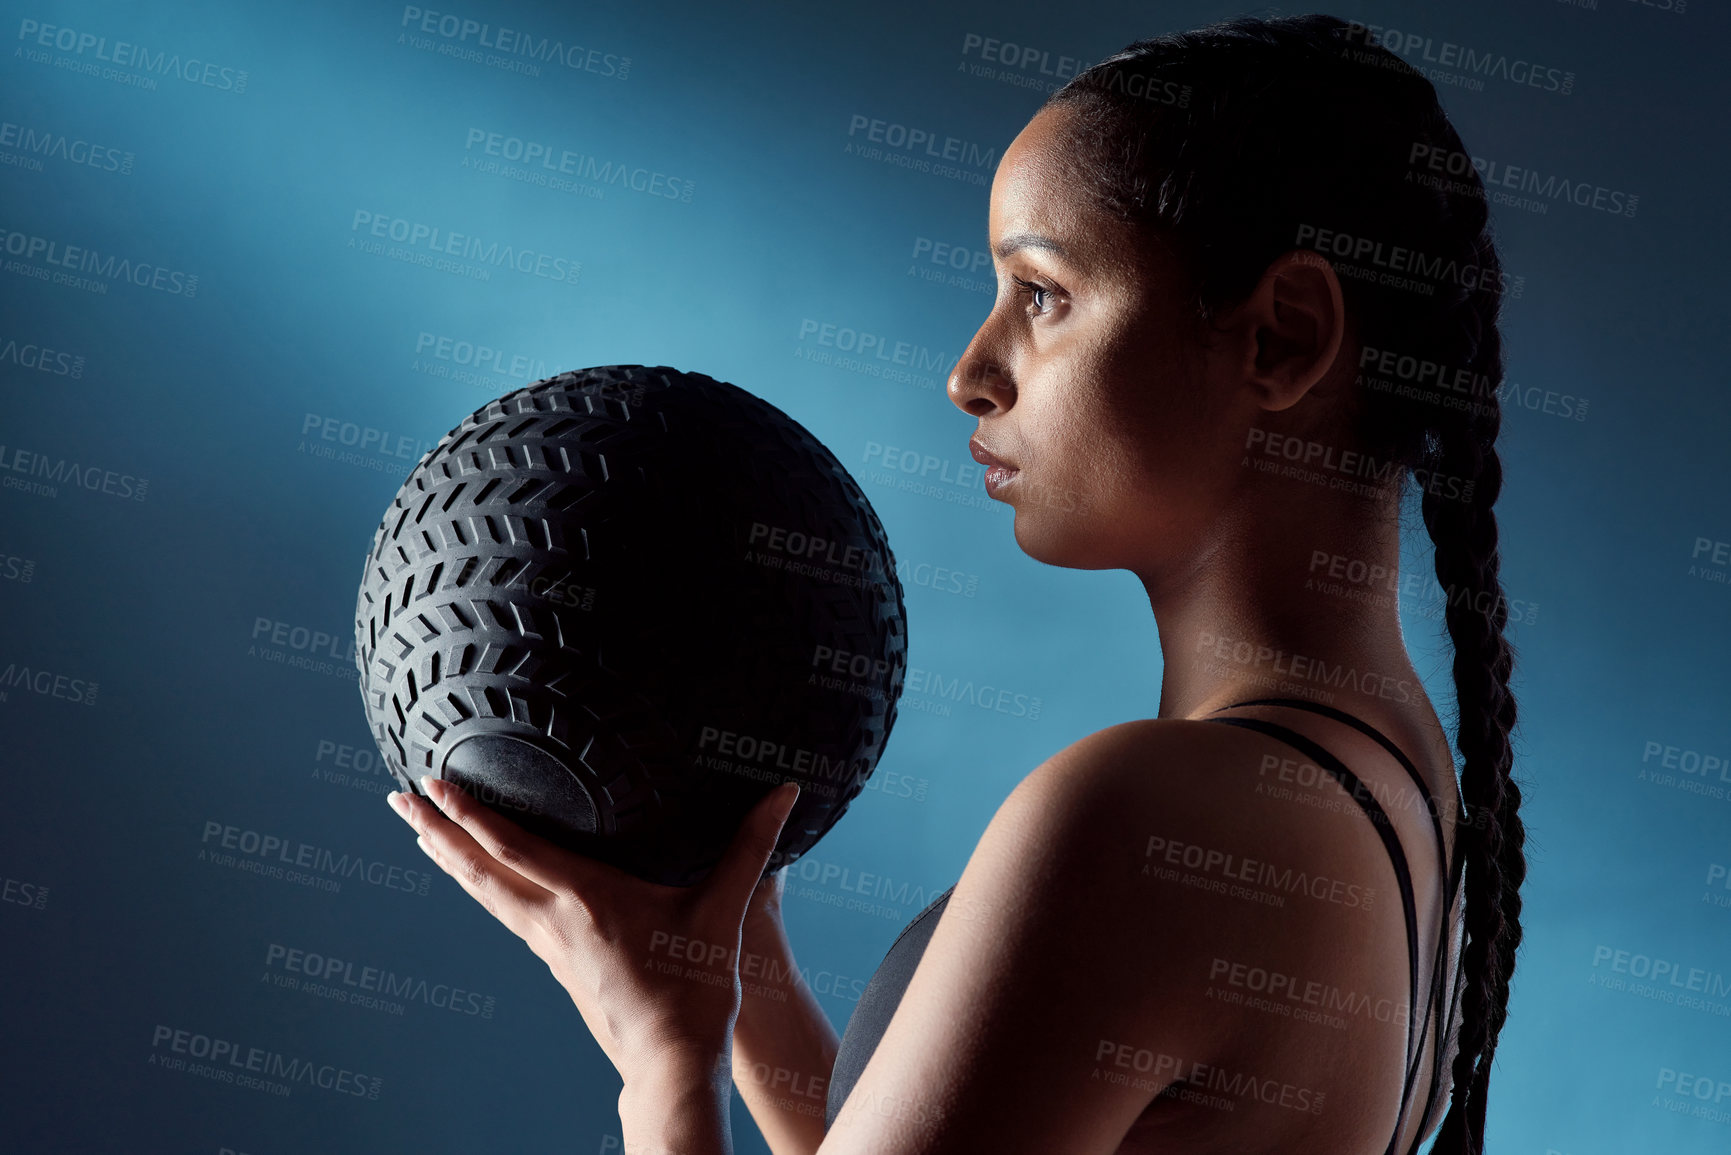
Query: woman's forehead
point(1049, 225)
point(1039, 191)
point(1031, 180)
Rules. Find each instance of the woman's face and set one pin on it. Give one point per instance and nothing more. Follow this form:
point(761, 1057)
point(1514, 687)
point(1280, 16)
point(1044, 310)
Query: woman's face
point(1090, 379)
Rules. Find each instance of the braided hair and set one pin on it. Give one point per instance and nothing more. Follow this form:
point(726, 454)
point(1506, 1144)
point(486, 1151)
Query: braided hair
point(1235, 143)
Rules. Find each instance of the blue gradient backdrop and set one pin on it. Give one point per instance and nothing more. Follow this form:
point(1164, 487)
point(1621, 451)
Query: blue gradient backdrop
point(220, 530)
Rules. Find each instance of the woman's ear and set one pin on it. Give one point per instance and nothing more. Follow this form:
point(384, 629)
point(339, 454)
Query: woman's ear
point(1286, 335)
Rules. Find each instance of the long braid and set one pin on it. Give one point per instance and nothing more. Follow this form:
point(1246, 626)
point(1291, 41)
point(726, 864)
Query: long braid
point(1464, 534)
point(1221, 140)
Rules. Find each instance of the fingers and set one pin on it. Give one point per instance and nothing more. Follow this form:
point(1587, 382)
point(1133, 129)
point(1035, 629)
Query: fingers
point(511, 898)
point(549, 867)
point(518, 875)
point(736, 876)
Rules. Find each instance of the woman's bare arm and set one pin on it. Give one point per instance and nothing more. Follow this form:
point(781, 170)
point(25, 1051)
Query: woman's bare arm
point(783, 1044)
point(1064, 997)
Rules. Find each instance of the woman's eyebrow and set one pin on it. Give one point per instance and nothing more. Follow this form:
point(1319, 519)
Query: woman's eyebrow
point(1016, 242)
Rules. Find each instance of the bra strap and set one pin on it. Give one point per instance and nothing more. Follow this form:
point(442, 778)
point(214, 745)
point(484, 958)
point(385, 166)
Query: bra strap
point(1403, 876)
point(1451, 873)
point(1442, 1027)
point(1382, 740)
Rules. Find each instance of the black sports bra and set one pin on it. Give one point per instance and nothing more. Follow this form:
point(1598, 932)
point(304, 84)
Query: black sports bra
point(877, 1005)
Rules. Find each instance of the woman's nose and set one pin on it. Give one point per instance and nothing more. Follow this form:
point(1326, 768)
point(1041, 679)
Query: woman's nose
point(978, 385)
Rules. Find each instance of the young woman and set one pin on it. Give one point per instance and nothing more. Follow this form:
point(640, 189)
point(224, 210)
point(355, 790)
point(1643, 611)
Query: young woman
point(1247, 295)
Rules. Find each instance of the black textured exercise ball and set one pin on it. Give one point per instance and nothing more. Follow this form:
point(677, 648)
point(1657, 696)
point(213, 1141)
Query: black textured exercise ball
point(620, 605)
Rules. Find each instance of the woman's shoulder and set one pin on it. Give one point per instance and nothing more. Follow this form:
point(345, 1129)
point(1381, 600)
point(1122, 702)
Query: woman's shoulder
point(1172, 792)
point(1117, 895)
point(1246, 787)
point(1205, 766)
point(1189, 817)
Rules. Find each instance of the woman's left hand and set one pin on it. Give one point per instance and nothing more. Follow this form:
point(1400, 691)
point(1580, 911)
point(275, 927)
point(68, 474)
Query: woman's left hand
point(653, 969)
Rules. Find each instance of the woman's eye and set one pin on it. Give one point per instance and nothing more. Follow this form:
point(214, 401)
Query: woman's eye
point(1039, 296)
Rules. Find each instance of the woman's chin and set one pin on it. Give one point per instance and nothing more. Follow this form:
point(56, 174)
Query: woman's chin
point(1053, 538)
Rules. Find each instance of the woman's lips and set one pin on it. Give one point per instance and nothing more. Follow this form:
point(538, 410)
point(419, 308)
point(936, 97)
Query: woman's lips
point(998, 471)
point(996, 476)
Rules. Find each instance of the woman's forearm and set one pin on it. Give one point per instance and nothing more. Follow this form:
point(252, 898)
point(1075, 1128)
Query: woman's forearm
point(783, 1044)
point(676, 1105)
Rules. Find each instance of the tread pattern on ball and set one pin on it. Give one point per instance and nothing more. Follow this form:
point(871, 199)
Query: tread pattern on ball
point(452, 641)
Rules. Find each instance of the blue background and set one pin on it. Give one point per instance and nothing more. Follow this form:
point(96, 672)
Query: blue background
point(219, 400)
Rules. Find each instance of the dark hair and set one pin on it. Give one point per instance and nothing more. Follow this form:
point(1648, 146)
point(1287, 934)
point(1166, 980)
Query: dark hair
point(1238, 142)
